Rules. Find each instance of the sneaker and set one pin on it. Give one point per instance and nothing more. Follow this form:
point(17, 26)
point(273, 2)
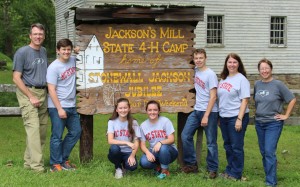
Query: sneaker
point(119, 173)
point(190, 169)
point(68, 166)
point(212, 174)
point(157, 170)
point(163, 174)
point(56, 168)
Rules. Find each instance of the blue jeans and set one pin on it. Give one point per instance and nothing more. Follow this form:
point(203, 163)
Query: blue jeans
point(268, 135)
point(165, 156)
point(60, 149)
point(211, 131)
point(234, 144)
point(120, 158)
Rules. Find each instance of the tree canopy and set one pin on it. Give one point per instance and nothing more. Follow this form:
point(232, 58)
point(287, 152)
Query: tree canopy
point(15, 20)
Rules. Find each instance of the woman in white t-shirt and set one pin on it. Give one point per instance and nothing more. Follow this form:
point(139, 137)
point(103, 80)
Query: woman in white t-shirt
point(233, 95)
point(159, 132)
point(123, 135)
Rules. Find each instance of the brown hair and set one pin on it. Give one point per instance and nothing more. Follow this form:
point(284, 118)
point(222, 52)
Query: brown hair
point(264, 60)
point(130, 119)
point(37, 25)
point(153, 102)
point(241, 68)
point(64, 43)
point(201, 51)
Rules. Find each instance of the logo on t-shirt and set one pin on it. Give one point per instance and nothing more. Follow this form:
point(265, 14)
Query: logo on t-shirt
point(225, 85)
point(199, 82)
point(156, 134)
point(263, 93)
point(38, 61)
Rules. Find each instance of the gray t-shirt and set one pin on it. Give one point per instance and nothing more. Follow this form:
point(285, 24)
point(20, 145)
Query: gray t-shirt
point(269, 98)
point(32, 64)
point(231, 91)
point(159, 131)
point(204, 81)
point(120, 131)
point(63, 75)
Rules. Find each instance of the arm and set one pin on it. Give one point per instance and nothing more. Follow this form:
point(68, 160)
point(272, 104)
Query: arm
point(170, 140)
point(288, 111)
point(131, 159)
point(148, 154)
point(111, 140)
point(52, 92)
point(238, 123)
point(211, 102)
point(20, 84)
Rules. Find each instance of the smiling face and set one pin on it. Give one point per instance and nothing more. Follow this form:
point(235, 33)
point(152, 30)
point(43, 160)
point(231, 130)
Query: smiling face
point(153, 111)
point(37, 37)
point(200, 60)
point(232, 66)
point(265, 71)
point(123, 110)
point(64, 53)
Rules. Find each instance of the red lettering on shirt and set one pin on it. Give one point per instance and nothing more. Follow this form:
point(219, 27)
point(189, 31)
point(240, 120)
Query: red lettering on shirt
point(156, 134)
point(68, 73)
point(225, 85)
point(199, 82)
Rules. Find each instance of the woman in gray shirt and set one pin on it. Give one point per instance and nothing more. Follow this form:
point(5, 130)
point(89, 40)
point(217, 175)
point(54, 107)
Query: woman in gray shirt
point(269, 96)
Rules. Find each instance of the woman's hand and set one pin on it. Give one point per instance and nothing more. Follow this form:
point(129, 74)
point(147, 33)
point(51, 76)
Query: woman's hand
point(131, 145)
point(280, 117)
point(150, 157)
point(238, 125)
point(157, 147)
point(131, 160)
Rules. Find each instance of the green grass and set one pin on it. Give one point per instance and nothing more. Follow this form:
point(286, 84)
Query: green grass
point(99, 172)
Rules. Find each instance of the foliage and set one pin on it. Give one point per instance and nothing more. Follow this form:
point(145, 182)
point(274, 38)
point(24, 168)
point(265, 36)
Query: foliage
point(99, 172)
point(17, 16)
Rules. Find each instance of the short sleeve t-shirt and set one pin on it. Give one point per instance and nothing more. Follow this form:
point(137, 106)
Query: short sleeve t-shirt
point(204, 81)
point(32, 64)
point(230, 92)
point(120, 131)
point(159, 131)
point(63, 75)
point(269, 99)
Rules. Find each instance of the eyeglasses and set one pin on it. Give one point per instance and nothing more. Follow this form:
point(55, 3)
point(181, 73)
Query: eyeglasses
point(264, 69)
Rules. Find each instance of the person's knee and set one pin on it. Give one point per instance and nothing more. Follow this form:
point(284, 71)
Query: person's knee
point(145, 163)
point(114, 149)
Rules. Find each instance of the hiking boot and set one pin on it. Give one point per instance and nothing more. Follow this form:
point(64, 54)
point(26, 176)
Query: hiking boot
point(68, 166)
point(190, 169)
point(56, 168)
point(164, 173)
point(119, 173)
point(212, 175)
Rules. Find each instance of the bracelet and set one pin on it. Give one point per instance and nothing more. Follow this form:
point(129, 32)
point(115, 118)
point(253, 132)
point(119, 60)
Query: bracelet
point(239, 118)
point(160, 142)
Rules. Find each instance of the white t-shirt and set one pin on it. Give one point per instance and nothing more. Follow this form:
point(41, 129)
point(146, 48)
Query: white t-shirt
point(159, 131)
point(120, 131)
point(231, 91)
point(204, 81)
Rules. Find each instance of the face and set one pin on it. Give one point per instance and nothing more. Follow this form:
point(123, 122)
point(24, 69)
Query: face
point(37, 36)
point(232, 65)
point(64, 53)
point(200, 60)
point(123, 109)
point(152, 111)
point(265, 71)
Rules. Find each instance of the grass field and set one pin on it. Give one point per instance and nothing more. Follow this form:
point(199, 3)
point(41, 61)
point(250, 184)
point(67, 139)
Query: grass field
point(100, 172)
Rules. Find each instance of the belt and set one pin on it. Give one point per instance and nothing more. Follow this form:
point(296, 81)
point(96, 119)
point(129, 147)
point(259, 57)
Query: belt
point(36, 87)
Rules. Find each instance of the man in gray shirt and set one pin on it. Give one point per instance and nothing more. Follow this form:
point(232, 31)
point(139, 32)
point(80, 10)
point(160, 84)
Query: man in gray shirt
point(29, 75)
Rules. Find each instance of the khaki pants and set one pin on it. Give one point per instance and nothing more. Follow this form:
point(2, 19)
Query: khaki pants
point(35, 123)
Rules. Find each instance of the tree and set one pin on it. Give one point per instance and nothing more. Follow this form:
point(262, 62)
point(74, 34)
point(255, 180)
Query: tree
point(16, 18)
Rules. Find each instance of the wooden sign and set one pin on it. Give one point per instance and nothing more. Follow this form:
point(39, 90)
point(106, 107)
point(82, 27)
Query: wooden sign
point(139, 62)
